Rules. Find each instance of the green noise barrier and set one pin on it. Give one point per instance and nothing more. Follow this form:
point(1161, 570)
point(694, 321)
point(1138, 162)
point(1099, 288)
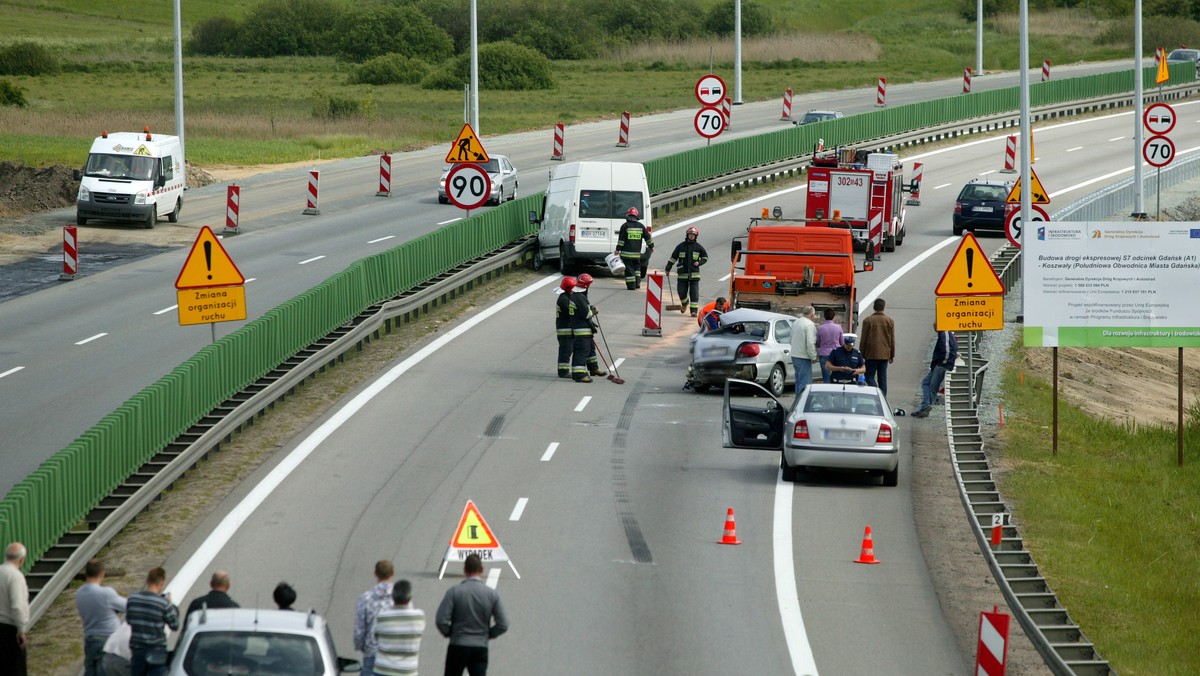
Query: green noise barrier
point(60, 494)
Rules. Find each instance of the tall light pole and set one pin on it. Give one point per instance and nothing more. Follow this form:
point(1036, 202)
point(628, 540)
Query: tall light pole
point(179, 89)
point(1139, 208)
point(737, 52)
point(979, 37)
point(474, 68)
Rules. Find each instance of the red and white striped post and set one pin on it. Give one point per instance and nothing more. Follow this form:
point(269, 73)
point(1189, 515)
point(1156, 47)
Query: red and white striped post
point(314, 177)
point(560, 131)
point(385, 176)
point(967, 80)
point(1010, 156)
point(787, 104)
point(727, 112)
point(233, 204)
point(991, 656)
point(918, 170)
point(1046, 70)
point(997, 527)
point(654, 291)
point(881, 92)
point(70, 253)
point(623, 136)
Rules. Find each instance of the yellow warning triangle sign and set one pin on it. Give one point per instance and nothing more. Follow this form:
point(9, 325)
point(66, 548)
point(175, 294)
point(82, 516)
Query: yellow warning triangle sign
point(970, 273)
point(466, 148)
point(473, 531)
point(1037, 194)
point(208, 265)
point(1163, 74)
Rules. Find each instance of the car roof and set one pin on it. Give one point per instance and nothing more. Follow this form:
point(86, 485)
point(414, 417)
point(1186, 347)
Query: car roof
point(255, 619)
point(745, 314)
point(840, 387)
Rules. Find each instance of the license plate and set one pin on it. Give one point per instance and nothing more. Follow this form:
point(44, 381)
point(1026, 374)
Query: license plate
point(714, 351)
point(986, 210)
point(593, 234)
point(842, 434)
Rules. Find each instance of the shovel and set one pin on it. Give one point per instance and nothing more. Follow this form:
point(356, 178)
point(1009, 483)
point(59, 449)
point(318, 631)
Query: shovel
point(613, 375)
point(673, 305)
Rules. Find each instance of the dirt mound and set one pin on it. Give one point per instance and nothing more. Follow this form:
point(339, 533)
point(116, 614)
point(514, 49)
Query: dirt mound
point(26, 190)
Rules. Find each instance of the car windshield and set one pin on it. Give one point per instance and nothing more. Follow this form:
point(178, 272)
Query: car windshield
point(120, 166)
point(817, 117)
point(491, 166)
point(258, 653)
point(1184, 55)
point(849, 403)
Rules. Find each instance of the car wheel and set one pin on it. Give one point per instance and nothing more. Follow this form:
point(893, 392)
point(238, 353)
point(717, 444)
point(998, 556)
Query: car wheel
point(173, 217)
point(892, 478)
point(957, 230)
point(80, 220)
point(789, 472)
point(151, 218)
point(564, 264)
point(701, 387)
point(443, 200)
point(538, 259)
point(900, 237)
point(889, 243)
point(777, 381)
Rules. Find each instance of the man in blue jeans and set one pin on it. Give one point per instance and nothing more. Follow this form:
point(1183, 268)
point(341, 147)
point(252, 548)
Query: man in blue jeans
point(804, 347)
point(148, 611)
point(98, 607)
point(945, 354)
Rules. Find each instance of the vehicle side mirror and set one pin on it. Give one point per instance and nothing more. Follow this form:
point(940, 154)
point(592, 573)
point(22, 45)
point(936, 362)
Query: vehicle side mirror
point(160, 181)
point(734, 248)
point(899, 413)
point(533, 217)
point(914, 186)
point(77, 174)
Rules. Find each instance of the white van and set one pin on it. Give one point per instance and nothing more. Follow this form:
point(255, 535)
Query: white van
point(132, 177)
point(584, 207)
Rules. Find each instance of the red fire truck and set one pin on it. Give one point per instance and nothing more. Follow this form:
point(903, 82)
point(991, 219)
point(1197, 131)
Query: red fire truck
point(865, 190)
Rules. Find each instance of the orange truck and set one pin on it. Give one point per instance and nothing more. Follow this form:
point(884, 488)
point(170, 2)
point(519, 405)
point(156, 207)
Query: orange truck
point(781, 266)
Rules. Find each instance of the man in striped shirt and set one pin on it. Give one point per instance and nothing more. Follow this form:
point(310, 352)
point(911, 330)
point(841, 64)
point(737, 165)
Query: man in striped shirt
point(398, 632)
point(147, 611)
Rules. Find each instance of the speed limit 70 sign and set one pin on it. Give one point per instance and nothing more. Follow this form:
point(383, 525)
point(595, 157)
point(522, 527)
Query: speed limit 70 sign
point(709, 122)
point(1158, 151)
point(468, 186)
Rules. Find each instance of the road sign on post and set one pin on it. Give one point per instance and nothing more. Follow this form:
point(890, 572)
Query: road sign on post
point(709, 122)
point(468, 186)
point(1158, 151)
point(1159, 118)
point(209, 287)
point(466, 148)
point(1013, 225)
point(710, 89)
point(1037, 193)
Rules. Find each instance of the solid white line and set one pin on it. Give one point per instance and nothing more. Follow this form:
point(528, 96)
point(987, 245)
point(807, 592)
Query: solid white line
point(869, 299)
point(617, 362)
point(166, 310)
point(518, 510)
point(785, 582)
point(493, 577)
point(11, 371)
point(88, 340)
point(725, 278)
point(220, 536)
point(989, 171)
point(250, 279)
point(381, 239)
point(1071, 150)
point(451, 220)
point(1119, 138)
point(944, 185)
point(582, 404)
point(550, 451)
point(315, 258)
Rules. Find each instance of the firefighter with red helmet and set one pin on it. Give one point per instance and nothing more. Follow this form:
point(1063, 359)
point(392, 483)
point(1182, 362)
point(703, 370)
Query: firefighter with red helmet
point(593, 363)
point(563, 311)
point(689, 255)
point(581, 335)
point(629, 247)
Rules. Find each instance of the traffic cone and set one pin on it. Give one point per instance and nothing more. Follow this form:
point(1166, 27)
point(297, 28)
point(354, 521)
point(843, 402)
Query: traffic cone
point(730, 537)
point(868, 549)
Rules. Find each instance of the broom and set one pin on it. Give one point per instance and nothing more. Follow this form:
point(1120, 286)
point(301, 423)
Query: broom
point(673, 305)
point(613, 375)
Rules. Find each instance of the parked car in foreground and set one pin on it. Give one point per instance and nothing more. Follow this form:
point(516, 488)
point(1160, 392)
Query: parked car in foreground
point(502, 173)
point(841, 426)
point(749, 344)
point(982, 205)
point(257, 641)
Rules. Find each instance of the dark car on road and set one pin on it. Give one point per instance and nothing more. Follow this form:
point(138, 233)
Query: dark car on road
point(982, 205)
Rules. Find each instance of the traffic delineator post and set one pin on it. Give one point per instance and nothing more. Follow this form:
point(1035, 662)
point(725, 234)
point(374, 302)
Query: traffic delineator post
point(787, 105)
point(70, 253)
point(966, 80)
point(881, 92)
point(868, 549)
point(652, 325)
point(560, 132)
point(623, 134)
point(385, 176)
point(312, 208)
point(1010, 155)
point(233, 207)
point(730, 537)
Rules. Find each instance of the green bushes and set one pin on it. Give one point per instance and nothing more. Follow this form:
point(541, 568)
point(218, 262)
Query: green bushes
point(390, 69)
point(366, 31)
point(214, 36)
point(502, 66)
point(11, 95)
point(756, 19)
point(328, 106)
point(28, 58)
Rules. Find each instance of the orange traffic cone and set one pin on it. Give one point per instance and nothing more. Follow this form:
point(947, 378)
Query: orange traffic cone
point(730, 537)
point(868, 549)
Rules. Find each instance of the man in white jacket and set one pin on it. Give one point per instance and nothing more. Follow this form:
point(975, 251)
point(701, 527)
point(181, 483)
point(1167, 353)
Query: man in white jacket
point(804, 347)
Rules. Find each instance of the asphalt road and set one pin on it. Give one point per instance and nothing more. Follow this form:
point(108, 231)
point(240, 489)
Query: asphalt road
point(609, 499)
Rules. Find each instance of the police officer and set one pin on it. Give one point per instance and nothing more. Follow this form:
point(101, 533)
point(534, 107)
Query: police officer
point(629, 247)
point(593, 364)
point(689, 255)
point(563, 310)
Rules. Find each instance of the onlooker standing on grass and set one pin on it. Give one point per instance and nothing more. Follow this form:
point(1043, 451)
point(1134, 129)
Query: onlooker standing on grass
point(148, 611)
point(804, 347)
point(945, 354)
point(398, 633)
point(98, 607)
point(878, 345)
point(829, 338)
point(14, 611)
point(372, 601)
point(465, 617)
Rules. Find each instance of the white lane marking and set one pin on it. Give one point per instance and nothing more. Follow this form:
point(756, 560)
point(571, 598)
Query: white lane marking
point(451, 220)
point(88, 340)
point(550, 451)
point(944, 185)
point(1071, 150)
point(166, 309)
point(786, 594)
point(11, 371)
point(493, 577)
point(725, 278)
point(989, 171)
point(1118, 138)
point(518, 510)
point(220, 536)
point(314, 258)
point(617, 362)
point(874, 293)
point(582, 404)
point(250, 279)
point(381, 239)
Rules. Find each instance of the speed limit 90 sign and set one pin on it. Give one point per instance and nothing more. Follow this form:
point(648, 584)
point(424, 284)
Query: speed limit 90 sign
point(709, 122)
point(468, 186)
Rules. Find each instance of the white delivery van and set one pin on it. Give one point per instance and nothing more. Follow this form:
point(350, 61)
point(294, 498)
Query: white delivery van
point(584, 207)
point(132, 177)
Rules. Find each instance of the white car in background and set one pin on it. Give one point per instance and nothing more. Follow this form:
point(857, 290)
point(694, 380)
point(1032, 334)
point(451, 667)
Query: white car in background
point(499, 169)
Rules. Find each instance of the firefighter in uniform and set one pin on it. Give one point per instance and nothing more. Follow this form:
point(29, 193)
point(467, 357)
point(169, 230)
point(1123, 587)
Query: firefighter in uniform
point(689, 256)
point(563, 310)
point(593, 364)
point(581, 335)
point(629, 247)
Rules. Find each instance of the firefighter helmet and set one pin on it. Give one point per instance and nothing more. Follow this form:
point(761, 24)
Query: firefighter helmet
point(585, 281)
point(693, 230)
point(567, 284)
point(632, 212)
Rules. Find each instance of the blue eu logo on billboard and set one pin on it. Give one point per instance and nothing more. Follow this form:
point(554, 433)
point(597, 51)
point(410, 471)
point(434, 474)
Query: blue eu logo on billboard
point(1194, 233)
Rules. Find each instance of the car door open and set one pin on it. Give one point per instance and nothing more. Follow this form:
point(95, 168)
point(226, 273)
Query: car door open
point(755, 420)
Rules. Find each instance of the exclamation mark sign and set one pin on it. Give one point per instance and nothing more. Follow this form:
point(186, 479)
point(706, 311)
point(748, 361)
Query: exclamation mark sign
point(208, 260)
point(970, 264)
